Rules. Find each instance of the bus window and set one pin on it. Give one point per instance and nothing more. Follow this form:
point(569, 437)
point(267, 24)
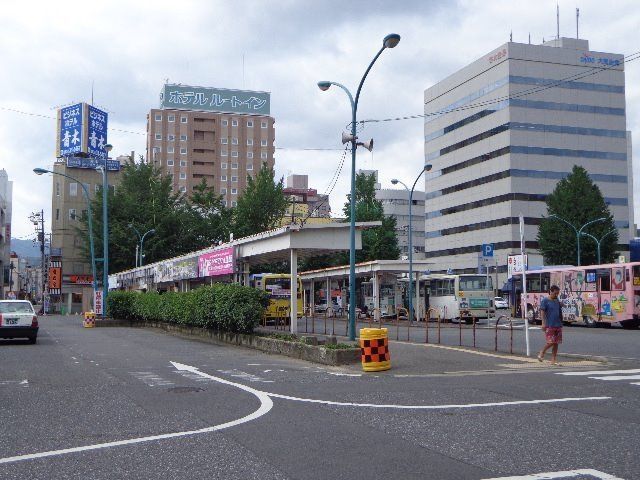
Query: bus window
point(545, 282)
point(533, 283)
point(475, 282)
point(604, 275)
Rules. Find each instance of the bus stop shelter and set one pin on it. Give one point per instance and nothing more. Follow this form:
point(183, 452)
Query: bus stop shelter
point(290, 243)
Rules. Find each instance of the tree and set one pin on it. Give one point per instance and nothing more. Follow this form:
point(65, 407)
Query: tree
point(577, 200)
point(261, 206)
point(379, 243)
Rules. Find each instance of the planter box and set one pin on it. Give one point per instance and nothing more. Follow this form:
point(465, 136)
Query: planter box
point(311, 353)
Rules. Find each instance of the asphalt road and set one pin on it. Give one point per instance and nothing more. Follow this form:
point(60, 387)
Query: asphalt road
point(108, 403)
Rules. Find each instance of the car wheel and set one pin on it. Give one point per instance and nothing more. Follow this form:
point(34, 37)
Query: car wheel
point(33, 340)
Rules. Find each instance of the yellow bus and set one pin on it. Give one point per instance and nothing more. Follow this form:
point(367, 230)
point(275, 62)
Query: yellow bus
point(278, 286)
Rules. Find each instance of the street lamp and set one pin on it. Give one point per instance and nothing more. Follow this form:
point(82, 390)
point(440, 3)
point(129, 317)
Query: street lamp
point(390, 41)
point(105, 231)
point(140, 255)
point(578, 231)
point(41, 171)
point(599, 242)
point(395, 181)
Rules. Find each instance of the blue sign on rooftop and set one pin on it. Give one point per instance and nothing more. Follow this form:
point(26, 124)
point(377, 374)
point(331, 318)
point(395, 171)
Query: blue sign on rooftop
point(97, 131)
point(70, 133)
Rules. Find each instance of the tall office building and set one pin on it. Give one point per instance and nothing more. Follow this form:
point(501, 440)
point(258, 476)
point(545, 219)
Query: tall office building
point(6, 194)
point(514, 123)
point(218, 135)
point(298, 191)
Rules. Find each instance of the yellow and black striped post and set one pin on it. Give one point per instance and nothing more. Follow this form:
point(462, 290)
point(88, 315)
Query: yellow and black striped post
point(374, 349)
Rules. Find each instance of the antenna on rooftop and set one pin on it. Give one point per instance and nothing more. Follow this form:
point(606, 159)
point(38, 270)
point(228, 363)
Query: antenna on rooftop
point(558, 20)
point(91, 92)
point(511, 36)
point(577, 18)
point(529, 38)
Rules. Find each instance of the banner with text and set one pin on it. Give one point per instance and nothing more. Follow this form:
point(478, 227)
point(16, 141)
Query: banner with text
point(216, 263)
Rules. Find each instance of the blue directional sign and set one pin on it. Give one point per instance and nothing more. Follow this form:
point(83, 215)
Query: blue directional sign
point(70, 134)
point(97, 131)
point(487, 250)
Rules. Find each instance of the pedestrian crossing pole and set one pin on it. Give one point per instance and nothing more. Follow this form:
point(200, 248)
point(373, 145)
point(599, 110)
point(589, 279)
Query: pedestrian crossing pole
point(524, 286)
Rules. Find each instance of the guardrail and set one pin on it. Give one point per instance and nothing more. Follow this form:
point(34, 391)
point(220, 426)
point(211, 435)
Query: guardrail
point(510, 330)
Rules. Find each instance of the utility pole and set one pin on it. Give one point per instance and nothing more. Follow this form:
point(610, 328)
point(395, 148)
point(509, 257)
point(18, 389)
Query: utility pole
point(37, 219)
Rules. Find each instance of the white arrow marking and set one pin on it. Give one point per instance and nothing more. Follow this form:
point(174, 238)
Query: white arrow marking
point(265, 405)
point(618, 377)
point(595, 474)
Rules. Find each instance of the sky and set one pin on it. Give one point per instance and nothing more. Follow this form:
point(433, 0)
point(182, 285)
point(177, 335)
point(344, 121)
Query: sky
point(52, 53)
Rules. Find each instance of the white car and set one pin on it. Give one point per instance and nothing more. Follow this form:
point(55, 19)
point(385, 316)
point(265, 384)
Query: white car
point(500, 302)
point(18, 320)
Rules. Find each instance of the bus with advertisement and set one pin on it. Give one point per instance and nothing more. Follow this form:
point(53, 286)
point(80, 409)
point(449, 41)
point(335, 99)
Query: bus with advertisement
point(278, 286)
point(460, 297)
point(594, 295)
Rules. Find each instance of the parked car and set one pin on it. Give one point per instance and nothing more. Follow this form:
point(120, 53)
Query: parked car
point(500, 302)
point(18, 320)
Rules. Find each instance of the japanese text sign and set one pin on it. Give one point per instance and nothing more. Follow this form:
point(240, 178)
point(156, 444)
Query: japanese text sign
point(70, 130)
point(215, 99)
point(219, 262)
point(97, 131)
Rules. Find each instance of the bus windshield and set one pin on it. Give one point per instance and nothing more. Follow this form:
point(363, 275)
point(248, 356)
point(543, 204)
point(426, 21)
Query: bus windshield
point(278, 286)
point(475, 282)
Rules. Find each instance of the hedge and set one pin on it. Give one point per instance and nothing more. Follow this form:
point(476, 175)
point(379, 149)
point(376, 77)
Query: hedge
point(226, 307)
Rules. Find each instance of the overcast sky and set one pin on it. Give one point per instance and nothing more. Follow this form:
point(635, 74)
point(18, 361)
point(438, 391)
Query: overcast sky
point(52, 52)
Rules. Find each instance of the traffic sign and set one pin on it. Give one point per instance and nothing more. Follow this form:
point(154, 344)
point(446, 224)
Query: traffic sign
point(515, 264)
point(487, 250)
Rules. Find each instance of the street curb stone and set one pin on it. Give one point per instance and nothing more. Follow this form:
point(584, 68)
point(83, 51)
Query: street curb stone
point(311, 353)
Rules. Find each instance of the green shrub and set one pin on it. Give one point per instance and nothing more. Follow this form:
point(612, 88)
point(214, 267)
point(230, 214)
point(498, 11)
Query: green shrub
point(232, 308)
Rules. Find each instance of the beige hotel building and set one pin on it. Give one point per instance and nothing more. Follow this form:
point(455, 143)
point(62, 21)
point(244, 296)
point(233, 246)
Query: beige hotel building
point(219, 135)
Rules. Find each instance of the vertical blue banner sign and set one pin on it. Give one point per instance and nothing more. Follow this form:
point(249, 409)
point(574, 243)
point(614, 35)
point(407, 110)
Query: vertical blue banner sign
point(97, 131)
point(70, 130)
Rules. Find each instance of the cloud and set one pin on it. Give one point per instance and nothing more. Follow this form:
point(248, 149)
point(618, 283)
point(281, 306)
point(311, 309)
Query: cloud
point(53, 52)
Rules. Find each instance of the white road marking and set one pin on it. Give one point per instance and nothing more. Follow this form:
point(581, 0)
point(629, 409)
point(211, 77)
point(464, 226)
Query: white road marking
point(598, 372)
point(568, 474)
point(245, 376)
point(265, 406)
point(437, 407)
point(23, 383)
point(151, 379)
point(345, 374)
point(635, 383)
point(618, 377)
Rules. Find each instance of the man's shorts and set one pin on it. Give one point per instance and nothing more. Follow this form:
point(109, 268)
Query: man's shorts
point(553, 334)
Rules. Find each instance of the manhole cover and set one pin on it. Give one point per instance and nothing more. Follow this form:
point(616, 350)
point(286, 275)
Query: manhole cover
point(185, 389)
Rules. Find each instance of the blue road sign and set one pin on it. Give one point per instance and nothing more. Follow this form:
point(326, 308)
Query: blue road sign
point(97, 131)
point(70, 130)
point(487, 249)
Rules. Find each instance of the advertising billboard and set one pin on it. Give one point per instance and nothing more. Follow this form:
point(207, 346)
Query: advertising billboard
point(219, 262)
point(82, 130)
point(215, 100)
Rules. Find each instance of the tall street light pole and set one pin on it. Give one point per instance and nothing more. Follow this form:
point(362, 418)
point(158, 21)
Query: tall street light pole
point(578, 231)
point(40, 171)
point(395, 181)
point(139, 247)
point(105, 232)
point(390, 41)
point(599, 242)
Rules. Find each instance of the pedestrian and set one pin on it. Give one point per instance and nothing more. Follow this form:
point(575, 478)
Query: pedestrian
point(551, 314)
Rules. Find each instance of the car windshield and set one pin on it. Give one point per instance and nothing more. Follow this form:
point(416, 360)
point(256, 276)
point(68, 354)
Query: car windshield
point(16, 307)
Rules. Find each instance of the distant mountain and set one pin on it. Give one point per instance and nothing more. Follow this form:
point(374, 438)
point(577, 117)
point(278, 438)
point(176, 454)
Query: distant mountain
point(25, 248)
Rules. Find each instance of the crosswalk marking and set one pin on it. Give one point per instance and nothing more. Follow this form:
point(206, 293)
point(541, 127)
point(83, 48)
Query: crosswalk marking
point(599, 372)
point(618, 377)
point(608, 375)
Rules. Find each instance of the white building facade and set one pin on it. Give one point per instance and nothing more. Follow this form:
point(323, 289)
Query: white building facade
point(6, 194)
point(515, 122)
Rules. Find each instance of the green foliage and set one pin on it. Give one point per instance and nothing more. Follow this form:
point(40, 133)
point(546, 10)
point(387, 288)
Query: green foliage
point(379, 243)
point(144, 199)
point(261, 206)
point(577, 200)
point(232, 308)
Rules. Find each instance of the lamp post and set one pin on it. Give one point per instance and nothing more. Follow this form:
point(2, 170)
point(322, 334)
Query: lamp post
point(599, 242)
point(105, 231)
point(578, 231)
point(140, 255)
point(390, 41)
point(395, 181)
point(41, 171)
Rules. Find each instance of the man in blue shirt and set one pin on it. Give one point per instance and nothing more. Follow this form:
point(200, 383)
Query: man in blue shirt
point(551, 314)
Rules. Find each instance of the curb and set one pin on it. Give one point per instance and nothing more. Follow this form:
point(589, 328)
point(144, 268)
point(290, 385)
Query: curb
point(302, 351)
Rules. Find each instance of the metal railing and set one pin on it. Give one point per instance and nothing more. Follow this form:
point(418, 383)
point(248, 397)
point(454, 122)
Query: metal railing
point(510, 330)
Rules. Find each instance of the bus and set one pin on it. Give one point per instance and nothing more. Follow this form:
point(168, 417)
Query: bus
point(278, 286)
point(595, 295)
point(458, 296)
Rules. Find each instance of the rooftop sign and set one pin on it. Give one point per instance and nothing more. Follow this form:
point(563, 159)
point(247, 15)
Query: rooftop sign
point(221, 100)
point(82, 129)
